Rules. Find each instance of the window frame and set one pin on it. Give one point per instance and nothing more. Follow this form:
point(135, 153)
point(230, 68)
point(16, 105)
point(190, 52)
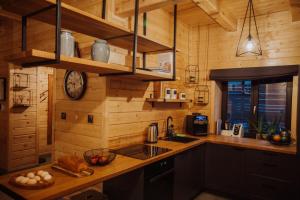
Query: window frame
point(255, 98)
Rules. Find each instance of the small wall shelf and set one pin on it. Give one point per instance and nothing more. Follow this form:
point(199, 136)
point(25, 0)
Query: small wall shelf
point(162, 100)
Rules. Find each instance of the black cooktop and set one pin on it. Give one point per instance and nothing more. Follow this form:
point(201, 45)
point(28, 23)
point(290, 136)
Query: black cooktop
point(141, 151)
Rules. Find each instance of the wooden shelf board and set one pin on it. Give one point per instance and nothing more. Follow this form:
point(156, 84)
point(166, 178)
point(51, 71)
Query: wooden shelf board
point(73, 63)
point(169, 100)
point(80, 21)
point(84, 65)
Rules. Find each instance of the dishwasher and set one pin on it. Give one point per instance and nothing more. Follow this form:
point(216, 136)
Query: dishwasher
point(159, 179)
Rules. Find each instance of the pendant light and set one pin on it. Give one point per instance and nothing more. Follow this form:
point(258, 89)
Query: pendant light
point(249, 42)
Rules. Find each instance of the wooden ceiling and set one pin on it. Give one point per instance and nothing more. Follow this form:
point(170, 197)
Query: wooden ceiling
point(190, 13)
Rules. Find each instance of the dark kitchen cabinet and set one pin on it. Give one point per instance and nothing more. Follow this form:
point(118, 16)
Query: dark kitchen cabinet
point(272, 175)
point(129, 186)
point(224, 169)
point(189, 172)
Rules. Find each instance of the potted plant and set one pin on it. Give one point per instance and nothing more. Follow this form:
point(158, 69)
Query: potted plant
point(274, 128)
point(259, 127)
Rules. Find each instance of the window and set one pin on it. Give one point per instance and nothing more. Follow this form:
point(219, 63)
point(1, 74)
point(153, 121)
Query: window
point(248, 101)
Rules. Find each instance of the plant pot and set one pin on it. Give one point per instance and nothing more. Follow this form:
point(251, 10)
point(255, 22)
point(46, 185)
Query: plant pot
point(258, 136)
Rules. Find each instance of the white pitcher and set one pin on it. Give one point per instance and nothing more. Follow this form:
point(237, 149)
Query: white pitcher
point(100, 51)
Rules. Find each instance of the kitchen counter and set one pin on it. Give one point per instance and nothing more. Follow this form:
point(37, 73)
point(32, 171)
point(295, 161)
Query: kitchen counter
point(65, 184)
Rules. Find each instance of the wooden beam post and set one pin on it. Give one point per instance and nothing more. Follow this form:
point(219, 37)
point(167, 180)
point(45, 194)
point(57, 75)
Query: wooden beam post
point(125, 8)
point(295, 10)
point(212, 9)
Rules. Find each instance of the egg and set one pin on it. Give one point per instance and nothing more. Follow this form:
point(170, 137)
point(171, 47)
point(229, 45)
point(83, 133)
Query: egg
point(44, 174)
point(30, 175)
point(37, 178)
point(24, 180)
point(31, 182)
point(19, 179)
point(40, 172)
point(47, 177)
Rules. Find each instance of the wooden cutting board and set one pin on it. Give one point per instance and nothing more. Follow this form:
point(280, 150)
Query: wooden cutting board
point(84, 173)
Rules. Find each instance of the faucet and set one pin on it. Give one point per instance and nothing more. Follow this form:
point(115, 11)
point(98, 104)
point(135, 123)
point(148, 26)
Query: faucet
point(170, 127)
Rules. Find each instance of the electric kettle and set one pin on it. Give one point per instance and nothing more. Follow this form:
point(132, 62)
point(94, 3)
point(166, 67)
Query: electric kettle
point(152, 133)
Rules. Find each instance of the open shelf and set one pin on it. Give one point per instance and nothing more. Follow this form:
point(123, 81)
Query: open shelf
point(79, 21)
point(84, 65)
point(162, 100)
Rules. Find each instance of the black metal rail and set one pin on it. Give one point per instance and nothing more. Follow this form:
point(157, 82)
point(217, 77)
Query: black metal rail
point(135, 40)
point(174, 49)
point(298, 116)
point(57, 6)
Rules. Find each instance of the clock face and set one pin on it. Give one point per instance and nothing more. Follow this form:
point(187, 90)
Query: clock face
point(75, 84)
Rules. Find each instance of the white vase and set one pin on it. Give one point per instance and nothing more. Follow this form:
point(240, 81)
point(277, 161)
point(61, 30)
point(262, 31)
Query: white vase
point(67, 43)
point(100, 51)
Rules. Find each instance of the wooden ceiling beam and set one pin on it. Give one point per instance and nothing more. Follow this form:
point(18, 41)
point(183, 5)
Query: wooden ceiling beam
point(125, 8)
point(9, 15)
point(211, 7)
point(295, 10)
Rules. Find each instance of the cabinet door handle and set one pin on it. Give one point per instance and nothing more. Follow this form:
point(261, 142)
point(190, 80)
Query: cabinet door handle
point(254, 110)
point(160, 176)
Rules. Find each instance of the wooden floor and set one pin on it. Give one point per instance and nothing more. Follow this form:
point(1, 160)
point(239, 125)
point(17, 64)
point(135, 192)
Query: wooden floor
point(208, 196)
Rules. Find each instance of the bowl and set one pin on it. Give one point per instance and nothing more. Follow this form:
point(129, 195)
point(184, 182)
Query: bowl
point(99, 157)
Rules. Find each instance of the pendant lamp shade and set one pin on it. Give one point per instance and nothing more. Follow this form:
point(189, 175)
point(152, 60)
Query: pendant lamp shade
point(249, 42)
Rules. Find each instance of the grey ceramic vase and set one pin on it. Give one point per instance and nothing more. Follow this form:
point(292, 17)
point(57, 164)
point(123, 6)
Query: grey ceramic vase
point(100, 51)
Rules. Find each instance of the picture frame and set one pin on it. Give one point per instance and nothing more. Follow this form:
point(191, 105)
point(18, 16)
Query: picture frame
point(2, 89)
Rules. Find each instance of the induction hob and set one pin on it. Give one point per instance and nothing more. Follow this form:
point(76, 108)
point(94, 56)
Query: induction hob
point(141, 151)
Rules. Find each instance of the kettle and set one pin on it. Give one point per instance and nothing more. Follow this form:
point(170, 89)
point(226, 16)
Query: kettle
point(152, 133)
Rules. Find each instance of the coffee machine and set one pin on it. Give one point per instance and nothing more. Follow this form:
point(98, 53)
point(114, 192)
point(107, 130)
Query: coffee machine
point(197, 124)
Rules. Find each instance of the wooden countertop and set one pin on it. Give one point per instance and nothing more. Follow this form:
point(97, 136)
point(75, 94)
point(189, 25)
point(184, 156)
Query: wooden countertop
point(65, 184)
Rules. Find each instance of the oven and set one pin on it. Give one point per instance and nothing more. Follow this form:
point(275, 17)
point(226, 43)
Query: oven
point(158, 180)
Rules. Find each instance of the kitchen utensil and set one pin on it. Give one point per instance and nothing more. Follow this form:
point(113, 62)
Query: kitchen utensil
point(152, 133)
point(99, 157)
point(67, 43)
point(167, 93)
point(100, 51)
point(173, 93)
point(182, 96)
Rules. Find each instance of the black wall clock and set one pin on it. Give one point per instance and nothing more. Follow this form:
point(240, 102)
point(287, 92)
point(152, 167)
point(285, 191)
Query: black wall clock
point(75, 84)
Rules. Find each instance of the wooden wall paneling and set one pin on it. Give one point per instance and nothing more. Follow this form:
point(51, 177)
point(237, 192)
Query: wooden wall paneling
point(295, 10)
point(279, 49)
point(23, 128)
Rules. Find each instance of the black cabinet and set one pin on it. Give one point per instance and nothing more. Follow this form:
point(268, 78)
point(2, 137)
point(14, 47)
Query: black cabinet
point(251, 174)
point(189, 169)
point(224, 169)
point(272, 175)
point(129, 186)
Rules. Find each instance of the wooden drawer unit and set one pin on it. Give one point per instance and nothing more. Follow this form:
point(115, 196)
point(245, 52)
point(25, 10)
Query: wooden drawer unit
point(23, 131)
point(273, 165)
point(24, 123)
point(23, 153)
point(23, 162)
point(265, 188)
point(22, 146)
point(24, 139)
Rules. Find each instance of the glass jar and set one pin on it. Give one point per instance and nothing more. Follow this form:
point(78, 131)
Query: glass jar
point(67, 43)
point(100, 51)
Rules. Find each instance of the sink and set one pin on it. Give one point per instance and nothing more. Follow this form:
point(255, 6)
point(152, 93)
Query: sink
point(181, 139)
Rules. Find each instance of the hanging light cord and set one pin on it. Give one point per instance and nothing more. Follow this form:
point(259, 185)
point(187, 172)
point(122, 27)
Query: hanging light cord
point(207, 56)
point(260, 51)
point(243, 28)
